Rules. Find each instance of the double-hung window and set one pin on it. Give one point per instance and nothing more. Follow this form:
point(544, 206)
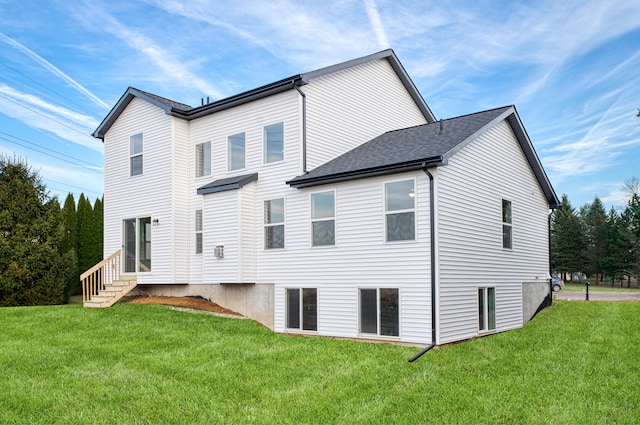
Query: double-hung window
point(380, 311)
point(135, 154)
point(302, 309)
point(203, 159)
point(400, 211)
point(198, 232)
point(273, 143)
point(486, 309)
point(507, 230)
point(274, 223)
point(236, 152)
point(323, 224)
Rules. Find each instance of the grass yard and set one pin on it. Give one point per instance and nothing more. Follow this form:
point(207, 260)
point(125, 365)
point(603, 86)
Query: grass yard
point(575, 363)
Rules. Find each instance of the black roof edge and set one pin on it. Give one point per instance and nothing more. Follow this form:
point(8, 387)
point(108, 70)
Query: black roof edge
point(302, 182)
point(234, 183)
point(532, 157)
point(238, 99)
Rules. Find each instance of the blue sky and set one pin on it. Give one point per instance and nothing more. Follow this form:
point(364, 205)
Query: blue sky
point(572, 68)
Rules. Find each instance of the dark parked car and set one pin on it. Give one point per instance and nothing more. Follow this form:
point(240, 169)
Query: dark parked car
point(557, 283)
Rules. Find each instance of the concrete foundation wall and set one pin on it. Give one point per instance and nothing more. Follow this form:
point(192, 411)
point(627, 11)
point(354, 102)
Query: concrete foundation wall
point(252, 300)
point(535, 296)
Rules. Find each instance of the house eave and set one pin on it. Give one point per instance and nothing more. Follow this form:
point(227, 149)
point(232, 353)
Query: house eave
point(302, 182)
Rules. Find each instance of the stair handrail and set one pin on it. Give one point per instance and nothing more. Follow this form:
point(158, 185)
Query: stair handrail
point(100, 275)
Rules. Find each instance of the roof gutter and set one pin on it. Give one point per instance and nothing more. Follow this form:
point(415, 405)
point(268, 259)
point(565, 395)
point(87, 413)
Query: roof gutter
point(432, 224)
point(360, 174)
point(304, 126)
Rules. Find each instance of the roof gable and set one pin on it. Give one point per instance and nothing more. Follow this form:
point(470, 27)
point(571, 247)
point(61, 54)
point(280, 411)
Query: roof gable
point(187, 112)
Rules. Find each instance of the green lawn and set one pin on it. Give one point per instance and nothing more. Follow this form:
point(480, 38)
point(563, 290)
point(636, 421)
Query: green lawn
point(575, 363)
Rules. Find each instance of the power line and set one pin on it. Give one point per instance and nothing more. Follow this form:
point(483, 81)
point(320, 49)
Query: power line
point(45, 87)
point(53, 156)
point(70, 185)
point(43, 115)
point(42, 147)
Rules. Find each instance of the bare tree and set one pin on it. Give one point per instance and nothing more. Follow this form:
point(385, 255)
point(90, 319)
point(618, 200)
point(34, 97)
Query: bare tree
point(631, 186)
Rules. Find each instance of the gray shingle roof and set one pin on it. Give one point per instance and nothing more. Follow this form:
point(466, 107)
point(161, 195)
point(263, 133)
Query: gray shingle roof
point(425, 145)
point(401, 148)
point(229, 183)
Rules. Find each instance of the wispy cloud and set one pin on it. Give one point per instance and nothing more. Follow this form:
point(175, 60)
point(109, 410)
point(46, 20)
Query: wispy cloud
point(53, 69)
point(38, 113)
point(173, 68)
point(376, 23)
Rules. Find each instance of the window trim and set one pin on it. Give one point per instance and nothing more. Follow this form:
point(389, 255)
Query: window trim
point(203, 167)
point(507, 224)
point(275, 224)
point(264, 144)
point(139, 154)
point(198, 232)
point(244, 151)
point(315, 220)
point(379, 313)
point(403, 211)
point(486, 318)
point(300, 313)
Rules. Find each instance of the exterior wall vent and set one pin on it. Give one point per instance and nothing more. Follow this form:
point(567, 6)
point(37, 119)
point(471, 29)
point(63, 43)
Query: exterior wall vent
point(218, 252)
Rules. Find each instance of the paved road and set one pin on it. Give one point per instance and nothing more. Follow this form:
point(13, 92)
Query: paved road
point(597, 296)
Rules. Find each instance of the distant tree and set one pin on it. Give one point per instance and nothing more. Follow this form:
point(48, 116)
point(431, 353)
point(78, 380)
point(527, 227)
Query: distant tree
point(32, 269)
point(631, 186)
point(567, 242)
point(595, 222)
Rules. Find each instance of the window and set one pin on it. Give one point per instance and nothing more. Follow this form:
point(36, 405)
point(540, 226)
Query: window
point(323, 226)
point(400, 211)
point(203, 159)
point(198, 231)
point(273, 143)
point(137, 245)
point(236, 152)
point(379, 311)
point(507, 239)
point(274, 224)
point(486, 309)
point(135, 154)
point(302, 315)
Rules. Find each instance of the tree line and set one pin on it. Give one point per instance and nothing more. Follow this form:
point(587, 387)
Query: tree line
point(43, 248)
point(598, 243)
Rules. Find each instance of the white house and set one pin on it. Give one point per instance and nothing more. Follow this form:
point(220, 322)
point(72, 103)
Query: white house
point(332, 203)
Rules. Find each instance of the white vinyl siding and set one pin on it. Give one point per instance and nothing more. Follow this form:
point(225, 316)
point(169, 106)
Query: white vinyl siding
point(470, 243)
point(361, 259)
point(350, 107)
point(154, 193)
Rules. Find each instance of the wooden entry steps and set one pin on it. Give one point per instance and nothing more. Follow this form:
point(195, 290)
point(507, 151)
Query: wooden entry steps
point(111, 293)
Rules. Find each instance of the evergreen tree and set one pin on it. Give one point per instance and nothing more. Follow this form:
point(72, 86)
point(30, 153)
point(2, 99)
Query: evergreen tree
point(32, 269)
point(85, 237)
point(70, 243)
point(595, 222)
point(566, 239)
point(97, 232)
